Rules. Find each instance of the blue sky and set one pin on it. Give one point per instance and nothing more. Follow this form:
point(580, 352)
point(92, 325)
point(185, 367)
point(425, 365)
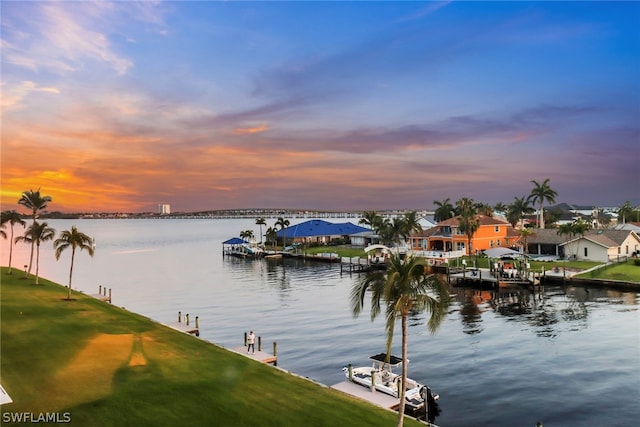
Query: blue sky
point(319, 105)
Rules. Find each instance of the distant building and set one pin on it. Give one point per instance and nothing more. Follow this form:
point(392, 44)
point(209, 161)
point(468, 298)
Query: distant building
point(164, 209)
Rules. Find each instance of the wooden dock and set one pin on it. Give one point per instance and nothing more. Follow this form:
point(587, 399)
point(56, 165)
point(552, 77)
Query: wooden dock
point(193, 329)
point(375, 397)
point(259, 355)
point(102, 294)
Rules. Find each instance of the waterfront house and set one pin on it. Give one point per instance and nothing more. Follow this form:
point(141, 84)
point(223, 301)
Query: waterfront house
point(602, 245)
point(445, 240)
point(321, 232)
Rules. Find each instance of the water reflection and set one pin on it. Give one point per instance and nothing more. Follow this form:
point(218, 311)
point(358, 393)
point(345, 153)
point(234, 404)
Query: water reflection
point(542, 308)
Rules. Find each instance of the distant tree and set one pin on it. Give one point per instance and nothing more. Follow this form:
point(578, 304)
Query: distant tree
point(524, 236)
point(539, 194)
point(444, 210)
point(272, 235)
point(73, 239)
point(468, 219)
point(484, 209)
point(576, 228)
point(412, 223)
point(501, 208)
point(35, 202)
point(369, 218)
point(283, 223)
point(261, 222)
point(518, 209)
point(2, 232)
point(627, 213)
point(246, 235)
point(35, 234)
point(12, 217)
point(404, 288)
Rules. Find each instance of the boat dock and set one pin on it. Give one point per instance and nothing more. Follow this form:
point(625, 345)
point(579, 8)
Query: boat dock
point(193, 329)
point(375, 397)
point(102, 294)
point(259, 355)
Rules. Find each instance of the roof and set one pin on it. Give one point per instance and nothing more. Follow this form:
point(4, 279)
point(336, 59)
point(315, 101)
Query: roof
point(318, 227)
point(607, 238)
point(234, 241)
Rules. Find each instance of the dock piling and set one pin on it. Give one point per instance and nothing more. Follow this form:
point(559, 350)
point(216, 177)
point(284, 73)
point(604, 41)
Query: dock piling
point(186, 316)
point(259, 343)
point(179, 317)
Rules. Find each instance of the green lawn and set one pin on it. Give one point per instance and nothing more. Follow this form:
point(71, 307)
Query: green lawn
point(625, 272)
point(108, 367)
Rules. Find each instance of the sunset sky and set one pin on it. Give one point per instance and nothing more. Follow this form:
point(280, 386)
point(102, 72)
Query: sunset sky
point(318, 105)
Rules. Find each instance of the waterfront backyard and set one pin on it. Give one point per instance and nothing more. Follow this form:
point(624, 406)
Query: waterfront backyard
point(104, 366)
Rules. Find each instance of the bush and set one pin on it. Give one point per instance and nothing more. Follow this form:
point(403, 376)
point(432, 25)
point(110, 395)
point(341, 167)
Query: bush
point(636, 262)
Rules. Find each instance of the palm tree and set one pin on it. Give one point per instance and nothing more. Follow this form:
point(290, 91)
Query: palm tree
point(443, 211)
point(500, 208)
point(261, 222)
point(33, 201)
point(246, 235)
point(539, 194)
point(578, 227)
point(283, 223)
point(12, 217)
point(518, 209)
point(272, 234)
point(74, 239)
point(404, 288)
point(524, 235)
point(369, 218)
point(468, 219)
point(35, 234)
point(411, 222)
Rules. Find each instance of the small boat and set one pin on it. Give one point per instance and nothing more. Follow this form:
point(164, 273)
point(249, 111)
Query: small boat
point(380, 376)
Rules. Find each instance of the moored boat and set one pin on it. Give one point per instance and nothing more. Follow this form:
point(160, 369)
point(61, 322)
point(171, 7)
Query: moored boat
point(381, 377)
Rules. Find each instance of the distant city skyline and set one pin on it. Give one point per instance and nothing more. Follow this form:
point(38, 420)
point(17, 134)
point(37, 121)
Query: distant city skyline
point(335, 106)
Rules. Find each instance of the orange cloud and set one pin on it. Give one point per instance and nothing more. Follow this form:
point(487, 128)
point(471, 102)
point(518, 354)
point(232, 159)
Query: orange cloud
point(251, 130)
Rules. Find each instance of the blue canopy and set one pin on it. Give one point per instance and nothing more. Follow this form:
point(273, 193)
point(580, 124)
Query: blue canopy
point(318, 227)
point(234, 241)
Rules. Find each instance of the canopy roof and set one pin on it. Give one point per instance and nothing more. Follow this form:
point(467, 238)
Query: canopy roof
point(500, 252)
point(318, 227)
point(375, 247)
point(234, 241)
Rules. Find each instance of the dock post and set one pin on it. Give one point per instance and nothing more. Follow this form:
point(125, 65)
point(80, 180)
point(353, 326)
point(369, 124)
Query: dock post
point(350, 367)
point(373, 380)
point(259, 343)
point(109, 294)
point(179, 317)
point(197, 326)
point(186, 316)
point(104, 291)
point(245, 339)
point(275, 349)
point(100, 290)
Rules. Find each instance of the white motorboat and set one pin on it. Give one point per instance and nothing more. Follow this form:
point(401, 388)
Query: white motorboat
point(380, 376)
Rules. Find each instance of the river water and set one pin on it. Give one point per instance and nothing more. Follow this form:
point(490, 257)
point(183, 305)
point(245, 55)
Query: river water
point(564, 356)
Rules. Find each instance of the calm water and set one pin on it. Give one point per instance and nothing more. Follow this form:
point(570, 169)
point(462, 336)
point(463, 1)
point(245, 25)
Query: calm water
point(563, 356)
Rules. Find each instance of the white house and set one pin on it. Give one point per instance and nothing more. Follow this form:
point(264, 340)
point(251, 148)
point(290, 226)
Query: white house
point(603, 245)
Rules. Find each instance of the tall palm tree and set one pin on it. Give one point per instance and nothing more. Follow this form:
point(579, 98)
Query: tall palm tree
point(404, 288)
point(13, 218)
point(411, 222)
point(261, 222)
point(35, 234)
point(35, 202)
point(444, 210)
point(539, 194)
point(369, 218)
point(468, 219)
point(73, 239)
point(575, 228)
point(501, 208)
point(283, 223)
point(518, 209)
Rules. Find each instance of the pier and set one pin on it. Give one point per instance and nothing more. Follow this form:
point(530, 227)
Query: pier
point(359, 265)
point(259, 355)
point(193, 329)
point(102, 294)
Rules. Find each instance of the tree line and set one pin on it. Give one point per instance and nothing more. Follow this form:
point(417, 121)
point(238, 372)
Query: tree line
point(39, 231)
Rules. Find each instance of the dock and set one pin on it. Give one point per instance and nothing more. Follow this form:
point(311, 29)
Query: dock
point(193, 329)
point(259, 354)
point(375, 397)
point(359, 265)
point(102, 294)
